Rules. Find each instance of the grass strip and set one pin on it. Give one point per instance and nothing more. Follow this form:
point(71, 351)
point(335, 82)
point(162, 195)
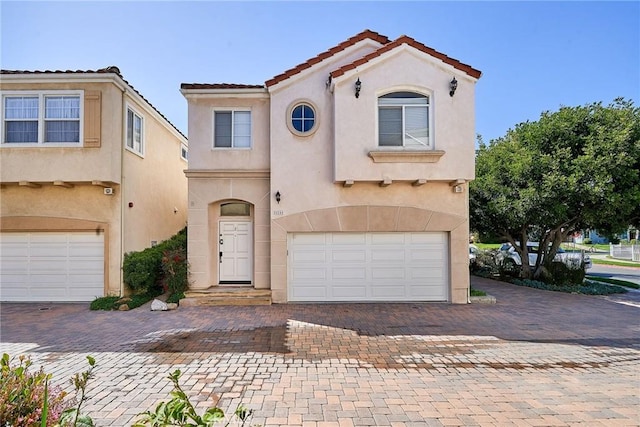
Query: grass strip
point(614, 282)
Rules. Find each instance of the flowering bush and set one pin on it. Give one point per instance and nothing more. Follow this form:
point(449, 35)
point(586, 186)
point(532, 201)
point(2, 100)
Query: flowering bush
point(175, 270)
point(23, 393)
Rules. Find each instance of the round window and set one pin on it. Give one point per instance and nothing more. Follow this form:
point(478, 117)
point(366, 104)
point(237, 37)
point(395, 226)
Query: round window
point(303, 118)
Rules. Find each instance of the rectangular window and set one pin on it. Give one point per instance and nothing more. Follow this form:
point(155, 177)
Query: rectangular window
point(232, 129)
point(135, 132)
point(403, 120)
point(184, 152)
point(62, 119)
point(41, 118)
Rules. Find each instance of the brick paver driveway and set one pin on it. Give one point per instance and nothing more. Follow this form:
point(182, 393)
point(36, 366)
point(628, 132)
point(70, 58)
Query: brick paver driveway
point(534, 358)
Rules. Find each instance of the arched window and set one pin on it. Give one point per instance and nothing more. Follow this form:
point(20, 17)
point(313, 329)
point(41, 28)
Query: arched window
point(235, 209)
point(403, 120)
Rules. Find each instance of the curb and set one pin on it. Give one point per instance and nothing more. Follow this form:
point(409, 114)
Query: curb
point(486, 299)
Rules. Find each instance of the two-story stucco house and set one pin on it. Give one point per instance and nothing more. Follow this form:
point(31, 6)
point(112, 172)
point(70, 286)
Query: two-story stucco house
point(342, 179)
point(89, 170)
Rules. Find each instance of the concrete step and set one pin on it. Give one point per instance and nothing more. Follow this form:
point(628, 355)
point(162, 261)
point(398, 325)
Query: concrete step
point(226, 295)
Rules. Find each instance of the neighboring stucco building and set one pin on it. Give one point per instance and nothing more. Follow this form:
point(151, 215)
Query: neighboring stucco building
point(342, 179)
point(89, 171)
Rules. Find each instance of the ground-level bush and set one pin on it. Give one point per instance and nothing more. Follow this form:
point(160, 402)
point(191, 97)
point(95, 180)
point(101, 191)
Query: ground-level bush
point(145, 270)
point(23, 392)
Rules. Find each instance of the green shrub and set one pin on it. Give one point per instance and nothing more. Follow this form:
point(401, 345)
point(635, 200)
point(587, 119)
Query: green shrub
point(175, 271)
point(23, 394)
point(560, 274)
point(179, 411)
point(143, 271)
point(477, 293)
point(175, 297)
point(586, 241)
point(596, 288)
point(104, 303)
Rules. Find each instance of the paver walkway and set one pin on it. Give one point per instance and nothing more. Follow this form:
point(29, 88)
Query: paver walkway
point(535, 358)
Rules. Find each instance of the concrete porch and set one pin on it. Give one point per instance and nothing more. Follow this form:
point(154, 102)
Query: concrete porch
point(226, 295)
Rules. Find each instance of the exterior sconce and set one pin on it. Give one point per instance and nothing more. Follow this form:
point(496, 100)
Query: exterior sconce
point(358, 87)
point(453, 85)
point(278, 197)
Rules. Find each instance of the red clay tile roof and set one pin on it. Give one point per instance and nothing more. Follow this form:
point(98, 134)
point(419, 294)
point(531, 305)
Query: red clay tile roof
point(107, 70)
point(411, 42)
point(366, 34)
point(219, 86)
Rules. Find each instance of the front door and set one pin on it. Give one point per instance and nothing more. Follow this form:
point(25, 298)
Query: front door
point(236, 252)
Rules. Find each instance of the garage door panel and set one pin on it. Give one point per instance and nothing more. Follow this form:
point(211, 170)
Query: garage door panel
point(392, 266)
point(389, 291)
point(319, 274)
point(428, 292)
point(435, 239)
point(310, 293)
point(346, 238)
point(387, 238)
point(51, 266)
point(389, 255)
point(349, 292)
point(309, 239)
point(388, 273)
point(309, 255)
point(348, 273)
point(348, 256)
point(435, 275)
point(429, 255)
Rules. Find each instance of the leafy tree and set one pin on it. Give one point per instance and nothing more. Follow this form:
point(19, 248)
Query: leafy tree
point(578, 167)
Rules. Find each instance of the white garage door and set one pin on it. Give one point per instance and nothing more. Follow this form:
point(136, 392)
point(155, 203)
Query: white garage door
point(368, 267)
point(51, 266)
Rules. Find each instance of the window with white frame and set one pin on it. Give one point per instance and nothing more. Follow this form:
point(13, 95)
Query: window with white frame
point(403, 120)
point(135, 131)
point(41, 118)
point(184, 152)
point(232, 129)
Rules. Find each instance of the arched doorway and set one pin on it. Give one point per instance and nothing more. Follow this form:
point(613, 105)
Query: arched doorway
point(235, 243)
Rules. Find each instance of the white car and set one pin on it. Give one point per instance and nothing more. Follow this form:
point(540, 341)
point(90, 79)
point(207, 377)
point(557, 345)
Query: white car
point(473, 252)
point(509, 257)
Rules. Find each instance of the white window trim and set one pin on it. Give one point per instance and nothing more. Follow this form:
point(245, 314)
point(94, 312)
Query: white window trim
point(41, 94)
point(429, 96)
point(143, 145)
point(184, 149)
point(316, 120)
point(213, 128)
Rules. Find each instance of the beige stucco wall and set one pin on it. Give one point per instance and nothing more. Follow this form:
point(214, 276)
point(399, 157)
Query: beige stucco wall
point(155, 184)
point(221, 175)
point(205, 197)
point(202, 155)
point(307, 170)
point(71, 164)
point(453, 125)
point(367, 207)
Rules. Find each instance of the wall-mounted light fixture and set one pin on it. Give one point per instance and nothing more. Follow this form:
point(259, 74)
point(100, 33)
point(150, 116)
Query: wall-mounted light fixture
point(358, 87)
point(453, 85)
point(278, 197)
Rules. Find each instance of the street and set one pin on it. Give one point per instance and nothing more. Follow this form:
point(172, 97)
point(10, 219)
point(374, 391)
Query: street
point(630, 274)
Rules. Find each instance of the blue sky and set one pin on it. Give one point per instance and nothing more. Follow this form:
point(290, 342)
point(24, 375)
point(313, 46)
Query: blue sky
point(534, 56)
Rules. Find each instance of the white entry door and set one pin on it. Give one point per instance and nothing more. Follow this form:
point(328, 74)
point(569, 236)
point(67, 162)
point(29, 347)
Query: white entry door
point(236, 252)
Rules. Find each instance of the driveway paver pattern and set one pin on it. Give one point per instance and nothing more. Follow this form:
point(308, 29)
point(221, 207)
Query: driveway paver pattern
point(536, 358)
